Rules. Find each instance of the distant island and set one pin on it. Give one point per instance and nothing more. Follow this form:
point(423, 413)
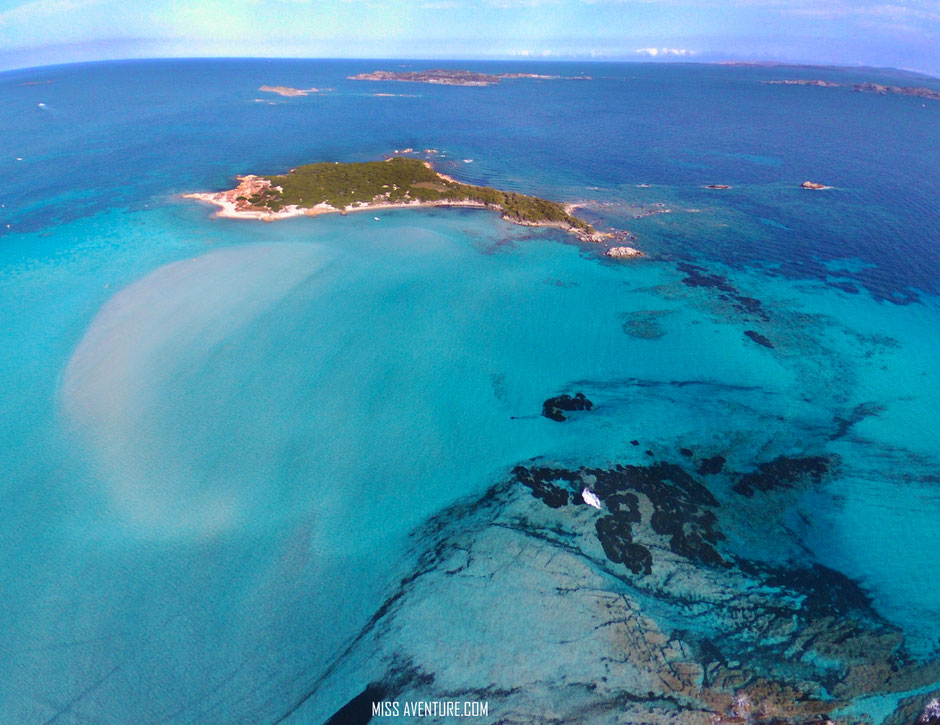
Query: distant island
point(919, 91)
point(453, 77)
point(870, 70)
point(288, 91)
point(325, 187)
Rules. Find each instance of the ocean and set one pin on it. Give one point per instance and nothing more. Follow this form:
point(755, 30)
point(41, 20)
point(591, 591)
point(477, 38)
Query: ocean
point(270, 472)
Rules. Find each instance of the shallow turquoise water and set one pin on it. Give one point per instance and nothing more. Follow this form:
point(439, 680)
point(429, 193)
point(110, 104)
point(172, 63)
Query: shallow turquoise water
point(223, 439)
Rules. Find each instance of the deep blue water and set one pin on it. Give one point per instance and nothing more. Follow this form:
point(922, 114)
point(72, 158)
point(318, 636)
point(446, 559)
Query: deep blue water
point(249, 469)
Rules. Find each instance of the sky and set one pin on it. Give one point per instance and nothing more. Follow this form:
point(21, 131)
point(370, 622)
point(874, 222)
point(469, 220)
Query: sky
point(895, 33)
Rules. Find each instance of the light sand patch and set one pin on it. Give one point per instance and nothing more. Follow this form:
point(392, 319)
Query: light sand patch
point(120, 383)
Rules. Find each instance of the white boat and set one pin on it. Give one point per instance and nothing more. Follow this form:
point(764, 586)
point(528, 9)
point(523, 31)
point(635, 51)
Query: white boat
point(590, 498)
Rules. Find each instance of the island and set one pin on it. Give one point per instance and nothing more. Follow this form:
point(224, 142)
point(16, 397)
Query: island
point(288, 91)
point(438, 76)
point(917, 91)
point(326, 187)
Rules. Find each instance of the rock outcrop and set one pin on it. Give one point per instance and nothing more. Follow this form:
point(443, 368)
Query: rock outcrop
point(555, 408)
point(623, 252)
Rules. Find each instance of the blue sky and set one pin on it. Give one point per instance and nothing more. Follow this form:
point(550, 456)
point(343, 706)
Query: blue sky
point(900, 33)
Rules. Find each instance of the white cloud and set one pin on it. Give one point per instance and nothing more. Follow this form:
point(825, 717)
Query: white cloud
point(656, 52)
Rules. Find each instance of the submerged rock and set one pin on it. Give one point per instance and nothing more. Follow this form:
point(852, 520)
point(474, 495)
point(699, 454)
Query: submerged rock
point(711, 466)
point(358, 711)
point(616, 539)
point(647, 631)
point(679, 505)
point(697, 276)
point(542, 488)
point(782, 472)
point(645, 324)
point(555, 408)
point(758, 338)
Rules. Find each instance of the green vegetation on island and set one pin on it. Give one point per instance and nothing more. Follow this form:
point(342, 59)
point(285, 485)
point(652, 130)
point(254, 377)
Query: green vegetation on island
point(398, 181)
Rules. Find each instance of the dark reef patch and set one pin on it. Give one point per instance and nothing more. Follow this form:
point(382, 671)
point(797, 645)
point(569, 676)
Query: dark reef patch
point(616, 537)
point(783, 472)
point(858, 414)
point(644, 324)
point(784, 641)
point(884, 284)
point(844, 286)
point(827, 593)
point(711, 466)
point(747, 304)
point(358, 711)
point(542, 487)
point(697, 276)
point(681, 508)
point(758, 338)
point(555, 408)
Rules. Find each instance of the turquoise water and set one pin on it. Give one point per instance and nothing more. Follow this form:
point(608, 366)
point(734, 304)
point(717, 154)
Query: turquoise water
point(251, 468)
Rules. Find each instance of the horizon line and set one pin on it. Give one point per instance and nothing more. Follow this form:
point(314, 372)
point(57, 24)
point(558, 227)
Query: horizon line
point(684, 60)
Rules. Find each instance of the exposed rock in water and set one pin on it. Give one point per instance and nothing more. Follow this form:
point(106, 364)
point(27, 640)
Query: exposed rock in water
point(623, 252)
point(717, 186)
point(553, 407)
point(288, 91)
point(813, 185)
